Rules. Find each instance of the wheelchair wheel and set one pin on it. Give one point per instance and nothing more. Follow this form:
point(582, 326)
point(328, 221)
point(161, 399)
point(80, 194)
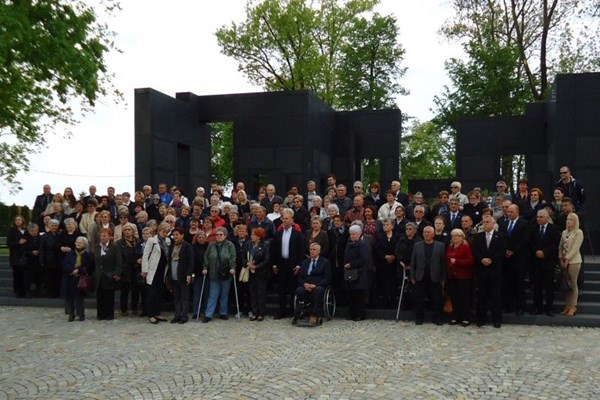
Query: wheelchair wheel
point(329, 303)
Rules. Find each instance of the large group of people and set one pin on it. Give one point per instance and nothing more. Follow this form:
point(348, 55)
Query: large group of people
point(471, 256)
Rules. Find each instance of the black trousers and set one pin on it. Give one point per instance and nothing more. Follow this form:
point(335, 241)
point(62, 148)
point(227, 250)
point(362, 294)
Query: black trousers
point(126, 288)
point(181, 299)
point(460, 291)
point(489, 295)
point(513, 289)
point(258, 295)
point(425, 287)
point(105, 301)
point(543, 283)
point(315, 297)
point(154, 294)
point(286, 281)
point(356, 303)
point(19, 281)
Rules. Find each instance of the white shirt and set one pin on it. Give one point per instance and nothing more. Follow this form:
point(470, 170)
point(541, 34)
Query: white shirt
point(285, 242)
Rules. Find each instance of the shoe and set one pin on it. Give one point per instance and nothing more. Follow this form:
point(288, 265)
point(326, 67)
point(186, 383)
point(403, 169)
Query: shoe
point(453, 322)
point(480, 324)
point(464, 324)
point(182, 321)
point(550, 313)
point(143, 314)
point(260, 318)
point(224, 317)
point(572, 311)
point(195, 316)
point(565, 311)
point(174, 320)
point(519, 312)
point(206, 319)
point(349, 317)
point(124, 313)
point(160, 318)
point(253, 318)
point(71, 318)
point(279, 316)
point(313, 320)
point(536, 311)
point(109, 318)
point(438, 322)
point(497, 325)
point(419, 321)
point(153, 320)
point(82, 318)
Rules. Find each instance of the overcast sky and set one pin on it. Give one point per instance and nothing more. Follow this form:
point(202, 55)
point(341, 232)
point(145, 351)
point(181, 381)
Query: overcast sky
point(170, 46)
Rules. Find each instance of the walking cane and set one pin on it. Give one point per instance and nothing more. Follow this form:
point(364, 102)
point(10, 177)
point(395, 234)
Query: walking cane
point(237, 302)
point(401, 293)
point(200, 300)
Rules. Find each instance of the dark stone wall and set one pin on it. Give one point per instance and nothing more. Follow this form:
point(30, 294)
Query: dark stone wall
point(282, 138)
point(564, 130)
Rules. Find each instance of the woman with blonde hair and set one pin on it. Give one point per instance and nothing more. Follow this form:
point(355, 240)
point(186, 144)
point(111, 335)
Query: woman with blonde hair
point(460, 264)
point(570, 260)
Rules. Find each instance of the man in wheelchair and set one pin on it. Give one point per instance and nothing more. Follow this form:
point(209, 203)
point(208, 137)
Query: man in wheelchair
point(313, 279)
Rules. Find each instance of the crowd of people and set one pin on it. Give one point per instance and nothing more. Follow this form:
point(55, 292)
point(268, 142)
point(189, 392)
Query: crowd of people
point(472, 257)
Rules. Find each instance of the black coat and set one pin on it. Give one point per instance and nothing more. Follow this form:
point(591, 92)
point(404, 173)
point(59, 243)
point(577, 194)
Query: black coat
point(185, 265)
point(495, 252)
point(337, 246)
point(261, 258)
point(356, 254)
point(107, 266)
point(320, 274)
point(14, 247)
point(49, 251)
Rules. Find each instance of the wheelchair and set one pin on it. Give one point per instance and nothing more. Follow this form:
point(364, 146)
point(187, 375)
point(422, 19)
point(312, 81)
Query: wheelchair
point(301, 308)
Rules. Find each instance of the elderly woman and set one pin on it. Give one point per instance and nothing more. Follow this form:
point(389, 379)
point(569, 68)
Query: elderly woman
point(199, 246)
point(49, 253)
point(77, 262)
point(356, 260)
point(154, 270)
point(15, 239)
point(327, 223)
point(129, 281)
point(535, 203)
point(386, 264)
point(316, 235)
point(570, 260)
point(459, 261)
point(219, 265)
point(181, 268)
point(257, 261)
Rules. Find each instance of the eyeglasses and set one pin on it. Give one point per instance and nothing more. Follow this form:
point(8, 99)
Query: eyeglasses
point(453, 187)
point(214, 210)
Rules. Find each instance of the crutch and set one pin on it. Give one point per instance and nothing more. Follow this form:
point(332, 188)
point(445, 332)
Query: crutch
point(201, 293)
point(237, 302)
point(401, 293)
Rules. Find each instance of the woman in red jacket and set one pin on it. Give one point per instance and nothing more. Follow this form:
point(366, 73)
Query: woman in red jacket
point(459, 260)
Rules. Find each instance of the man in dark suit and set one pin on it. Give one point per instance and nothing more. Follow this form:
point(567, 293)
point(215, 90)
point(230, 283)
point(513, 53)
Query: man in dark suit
point(544, 240)
point(489, 250)
point(313, 278)
point(92, 195)
point(454, 214)
point(41, 202)
point(271, 197)
point(401, 197)
point(288, 255)
point(428, 271)
point(108, 266)
point(516, 230)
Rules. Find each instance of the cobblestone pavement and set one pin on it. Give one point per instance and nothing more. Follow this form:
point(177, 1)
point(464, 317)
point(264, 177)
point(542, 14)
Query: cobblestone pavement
point(44, 357)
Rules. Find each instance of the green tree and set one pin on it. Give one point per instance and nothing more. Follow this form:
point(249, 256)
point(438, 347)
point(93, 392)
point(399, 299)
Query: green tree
point(326, 46)
point(221, 152)
point(51, 52)
point(426, 154)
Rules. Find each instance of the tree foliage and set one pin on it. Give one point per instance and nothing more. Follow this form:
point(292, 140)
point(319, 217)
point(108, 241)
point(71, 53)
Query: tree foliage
point(427, 154)
point(51, 52)
point(221, 152)
point(327, 46)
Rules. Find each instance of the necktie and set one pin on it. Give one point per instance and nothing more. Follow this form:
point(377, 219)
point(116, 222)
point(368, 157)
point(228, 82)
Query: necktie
point(453, 218)
point(311, 266)
point(510, 227)
point(542, 230)
point(488, 237)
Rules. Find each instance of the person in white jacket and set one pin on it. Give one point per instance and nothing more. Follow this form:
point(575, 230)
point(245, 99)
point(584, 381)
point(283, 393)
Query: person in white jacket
point(154, 270)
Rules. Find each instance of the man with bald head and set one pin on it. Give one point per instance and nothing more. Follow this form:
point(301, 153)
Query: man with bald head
point(516, 230)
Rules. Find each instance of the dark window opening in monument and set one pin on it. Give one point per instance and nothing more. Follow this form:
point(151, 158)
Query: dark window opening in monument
point(512, 168)
point(184, 167)
point(221, 153)
point(370, 171)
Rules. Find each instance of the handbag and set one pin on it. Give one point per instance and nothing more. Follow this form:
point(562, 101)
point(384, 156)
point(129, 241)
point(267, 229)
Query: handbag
point(244, 275)
point(85, 283)
point(563, 283)
point(351, 275)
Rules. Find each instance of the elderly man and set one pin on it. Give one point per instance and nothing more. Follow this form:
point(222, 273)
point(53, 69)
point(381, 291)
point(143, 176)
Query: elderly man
point(313, 278)
point(419, 219)
point(455, 193)
point(41, 203)
point(288, 254)
point(401, 197)
point(267, 202)
point(357, 212)
point(427, 273)
point(344, 203)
